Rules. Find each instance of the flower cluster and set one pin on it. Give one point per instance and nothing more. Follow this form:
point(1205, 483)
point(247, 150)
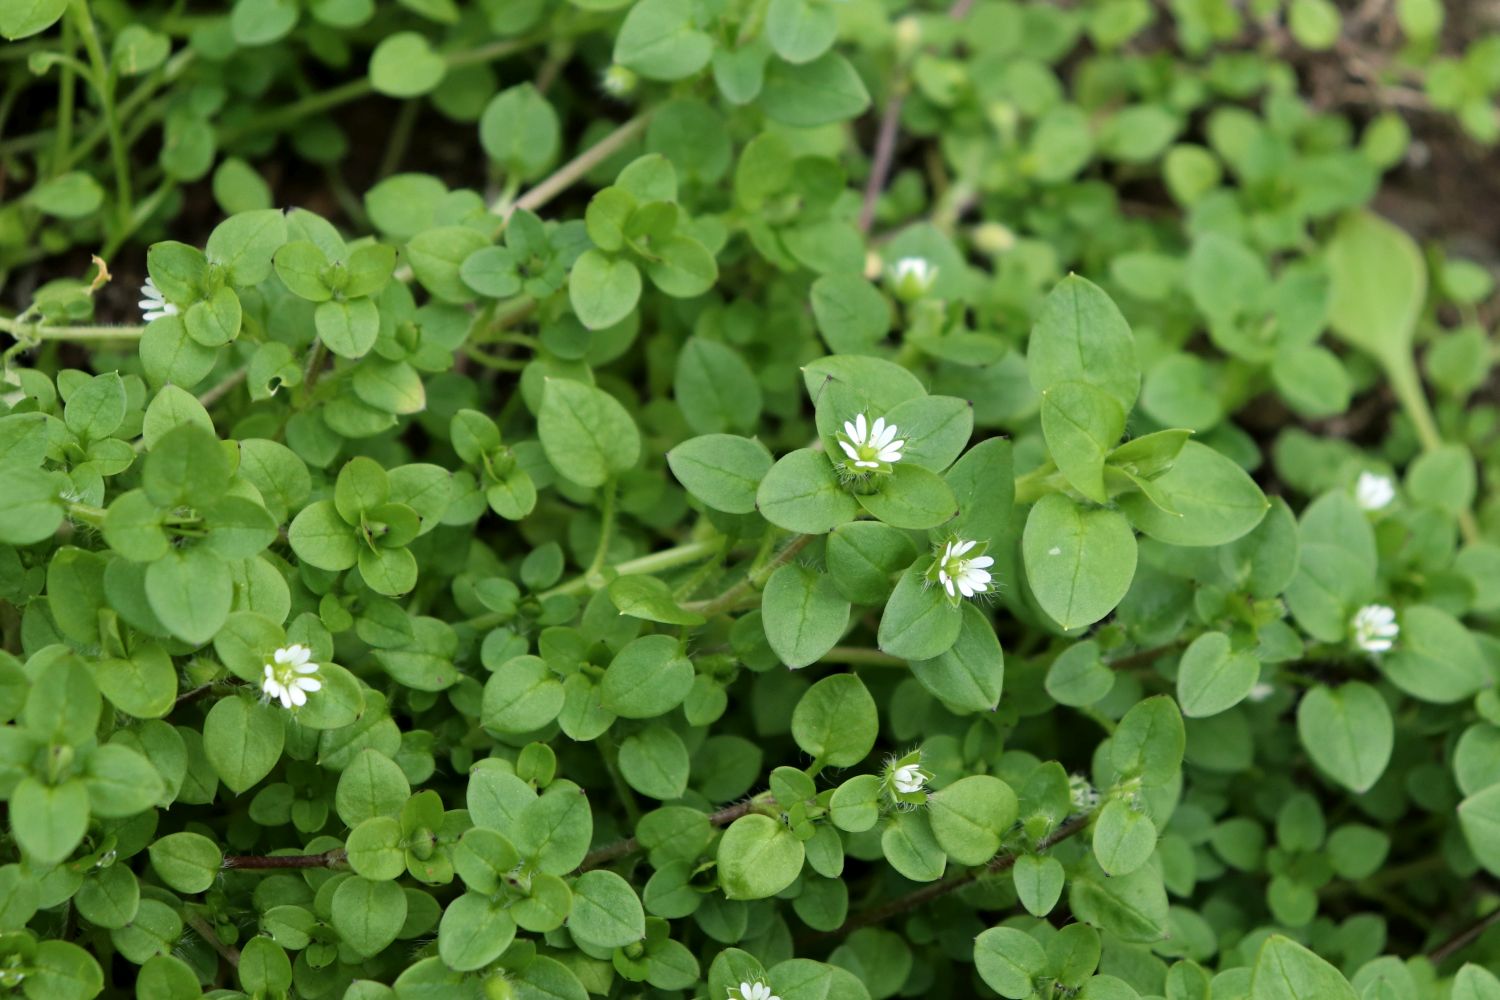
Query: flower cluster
point(290, 678)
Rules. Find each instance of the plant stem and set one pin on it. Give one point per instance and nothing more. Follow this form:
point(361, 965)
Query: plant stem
point(753, 582)
point(571, 172)
point(681, 555)
point(935, 890)
point(328, 859)
point(104, 86)
point(1409, 393)
point(207, 933)
point(860, 657)
point(630, 845)
point(25, 331)
point(609, 754)
point(606, 529)
point(63, 138)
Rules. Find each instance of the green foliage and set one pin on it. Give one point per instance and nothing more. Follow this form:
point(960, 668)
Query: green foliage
point(882, 501)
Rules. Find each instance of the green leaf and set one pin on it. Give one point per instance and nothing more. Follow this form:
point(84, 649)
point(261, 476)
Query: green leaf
point(519, 130)
point(322, 538)
point(96, 408)
point(863, 558)
point(970, 816)
point(1216, 501)
point(682, 268)
point(368, 915)
point(474, 931)
point(800, 30)
point(587, 435)
point(404, 65)
point(1284, 970)
point(1079, 561)
point(969, 675)
point(1212, 677)
point(190, 591)
point(802, 492)
point(606, 911)
point(436, 256)
point(1436, 658)
point(918, 622)
point(721, 470)
point(1378, 285)
point(49, 821)
point(1080, 336)
point(522, 696)
point(1082, 425)
point(1124, 838)
point(245, 244)
point(1348, 732)
point(603, 289)
point(910, 497)
point(648, 677)
point(187, 862)
point(121, 782)
point(836, 721)
point(660, 41)
point(936, 430)
point(820, 92)
point(347, 328)
point(758, 857)
point(24, 18)
point(1149, 741)
point(242, 740)
point(1039, 882)
point(649, 599)
point(1009, 961)
point(74, 195)
point(655, 762)
point(715, 388)
point(803, 613)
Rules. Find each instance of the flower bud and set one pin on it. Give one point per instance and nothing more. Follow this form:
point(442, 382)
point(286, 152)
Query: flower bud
point(911, 278)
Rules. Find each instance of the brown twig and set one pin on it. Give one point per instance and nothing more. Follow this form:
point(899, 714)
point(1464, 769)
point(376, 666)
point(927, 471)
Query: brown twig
point(890, 130)
point(1463, 938)
point(885, 154)
point(935, 890)
point(328, 859)
point(620, 848)
point(204, 930)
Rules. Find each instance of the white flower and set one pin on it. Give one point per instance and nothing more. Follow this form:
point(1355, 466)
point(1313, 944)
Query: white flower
point(1082, 794)
point(618, 81)
point(289, 679)
point(753, 991)
point(1375, 628)
point(873, 446)
point(1261, 691)
point(1373, 491)
point(963, 576)
point(153, 304)
point(909, 779)
point(912, 278)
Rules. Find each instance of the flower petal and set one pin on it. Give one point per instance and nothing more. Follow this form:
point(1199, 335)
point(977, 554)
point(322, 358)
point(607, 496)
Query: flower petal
point(849, 449)
point(308, 683)
point(862, 427)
